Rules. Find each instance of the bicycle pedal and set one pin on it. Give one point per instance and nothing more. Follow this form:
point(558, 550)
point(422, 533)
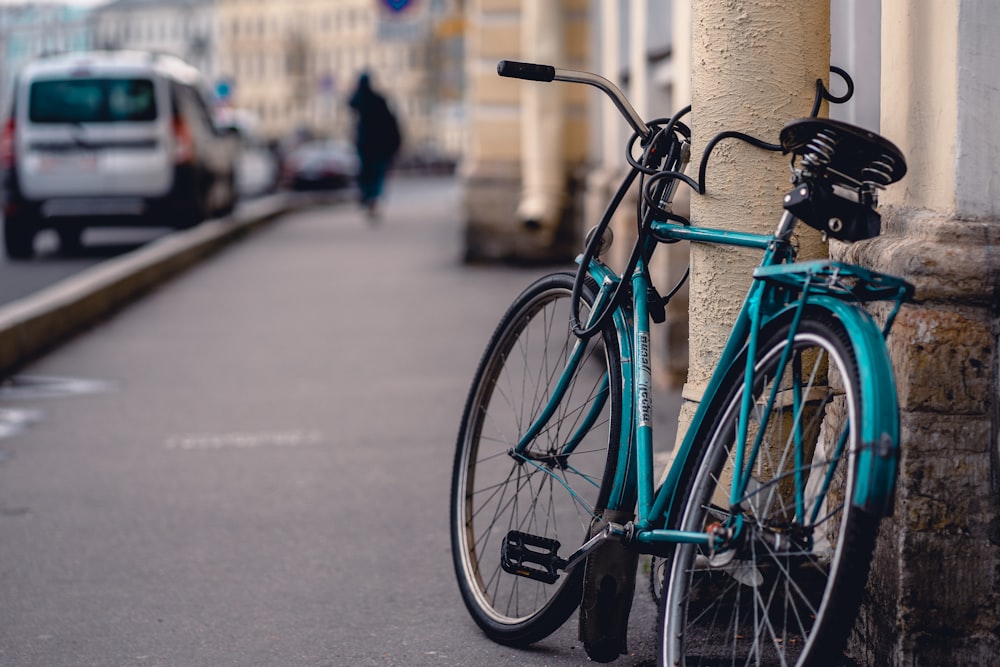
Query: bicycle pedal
point(531, 556)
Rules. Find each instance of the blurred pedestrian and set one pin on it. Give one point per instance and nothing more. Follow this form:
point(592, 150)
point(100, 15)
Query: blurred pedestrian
point(378, 140)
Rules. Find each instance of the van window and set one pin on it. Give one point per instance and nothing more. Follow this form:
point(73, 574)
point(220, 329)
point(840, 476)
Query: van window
point(188, 99)
point(92, 101)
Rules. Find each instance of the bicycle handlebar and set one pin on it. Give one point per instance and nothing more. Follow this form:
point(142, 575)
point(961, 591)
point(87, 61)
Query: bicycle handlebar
point(546, 73)
point(529, 71)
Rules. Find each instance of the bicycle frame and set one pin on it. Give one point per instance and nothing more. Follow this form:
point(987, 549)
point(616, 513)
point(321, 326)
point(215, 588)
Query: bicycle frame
point(780, 285)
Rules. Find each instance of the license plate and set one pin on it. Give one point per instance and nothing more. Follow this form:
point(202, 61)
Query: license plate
point(85, 162)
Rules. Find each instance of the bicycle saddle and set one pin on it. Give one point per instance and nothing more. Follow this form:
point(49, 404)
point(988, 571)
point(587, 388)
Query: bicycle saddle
point(841, 168)
point(856, 155)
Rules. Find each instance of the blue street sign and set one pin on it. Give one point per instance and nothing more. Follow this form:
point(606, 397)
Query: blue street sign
point(397, 5)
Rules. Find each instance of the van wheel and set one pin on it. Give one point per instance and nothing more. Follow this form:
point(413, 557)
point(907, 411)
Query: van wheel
point(70, 240)
point(229, 204)
point(19, 237)
point(195, 214)
point(189, 218)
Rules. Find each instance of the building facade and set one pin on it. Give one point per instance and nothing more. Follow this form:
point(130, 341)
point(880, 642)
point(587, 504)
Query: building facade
point(184, 28)
point(526, 143)
point(295, 64)
point(29, 30)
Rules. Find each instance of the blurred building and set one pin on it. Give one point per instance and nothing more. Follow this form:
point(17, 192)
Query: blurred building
point(29, 30)
point(184, 28)
point(526, 141)
point(294, 64)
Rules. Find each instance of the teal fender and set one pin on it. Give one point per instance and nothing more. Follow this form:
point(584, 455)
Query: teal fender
point(878, 460)
point(625, 486)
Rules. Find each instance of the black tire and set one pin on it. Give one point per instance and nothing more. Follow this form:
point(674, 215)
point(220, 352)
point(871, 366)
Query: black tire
point(70, 240)
point(492, 493)
point(229, 204)
point(19, 237)
point(192, 216)
point(788, 593)
point(196, 192)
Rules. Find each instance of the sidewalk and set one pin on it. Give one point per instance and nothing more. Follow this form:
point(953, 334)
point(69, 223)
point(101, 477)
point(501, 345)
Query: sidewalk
point(34, 324)
point(261, 476)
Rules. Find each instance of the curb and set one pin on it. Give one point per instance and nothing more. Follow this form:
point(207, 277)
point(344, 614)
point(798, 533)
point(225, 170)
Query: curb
point(37, 323)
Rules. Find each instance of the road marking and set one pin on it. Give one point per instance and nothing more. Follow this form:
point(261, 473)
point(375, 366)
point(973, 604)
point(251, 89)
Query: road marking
point(15, 420)
point(243, 440)
point(52, 386)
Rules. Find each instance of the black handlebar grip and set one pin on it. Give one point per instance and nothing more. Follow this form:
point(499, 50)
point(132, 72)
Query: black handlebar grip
point(529, 71)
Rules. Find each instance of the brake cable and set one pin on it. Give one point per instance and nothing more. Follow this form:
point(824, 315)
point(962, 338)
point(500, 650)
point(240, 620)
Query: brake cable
point(647, 188)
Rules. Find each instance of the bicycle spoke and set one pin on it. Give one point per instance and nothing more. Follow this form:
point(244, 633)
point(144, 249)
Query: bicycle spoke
point(532, 381)
point(766, 597)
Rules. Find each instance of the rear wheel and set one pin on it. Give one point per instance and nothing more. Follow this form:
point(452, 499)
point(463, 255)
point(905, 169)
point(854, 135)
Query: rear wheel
point(550, 490)
point(19, 236)
point(70, 240)
point(227, 186)
point(785, 591)
point(191, 187)
point(193, 215)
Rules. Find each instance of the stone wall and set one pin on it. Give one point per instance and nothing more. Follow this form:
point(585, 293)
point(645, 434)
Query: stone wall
point(935, 590)
point(936, 578)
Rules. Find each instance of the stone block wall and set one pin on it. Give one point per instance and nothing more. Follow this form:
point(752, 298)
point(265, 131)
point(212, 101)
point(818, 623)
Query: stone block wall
point(934, 596)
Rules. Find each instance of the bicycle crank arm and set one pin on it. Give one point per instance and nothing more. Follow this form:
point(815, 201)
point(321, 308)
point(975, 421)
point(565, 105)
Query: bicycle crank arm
point(612, 531)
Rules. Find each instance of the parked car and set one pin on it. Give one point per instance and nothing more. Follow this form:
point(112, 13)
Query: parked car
point(321, 165)
point(111, 138)
point(427, 158)
point(257, 166)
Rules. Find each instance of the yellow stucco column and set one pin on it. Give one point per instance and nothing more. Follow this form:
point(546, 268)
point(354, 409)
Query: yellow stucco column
point(525, 139)
point(542, 116)
point(754, 67)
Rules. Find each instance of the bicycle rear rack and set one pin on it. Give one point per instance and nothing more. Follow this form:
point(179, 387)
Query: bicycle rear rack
point(843, 281)
point(837, 278)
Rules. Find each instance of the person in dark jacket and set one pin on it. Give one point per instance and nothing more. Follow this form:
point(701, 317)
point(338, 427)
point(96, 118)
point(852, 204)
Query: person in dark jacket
point(378, 140)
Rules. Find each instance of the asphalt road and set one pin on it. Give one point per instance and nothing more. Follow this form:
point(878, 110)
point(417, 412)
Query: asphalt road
point(22, 278)
point(250, 466)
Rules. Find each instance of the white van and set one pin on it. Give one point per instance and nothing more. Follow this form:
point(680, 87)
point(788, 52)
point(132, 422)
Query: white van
point(110, 138)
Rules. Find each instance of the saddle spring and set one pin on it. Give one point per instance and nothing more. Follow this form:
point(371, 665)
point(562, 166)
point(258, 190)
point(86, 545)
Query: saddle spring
point(879, 171)
point(819, 152)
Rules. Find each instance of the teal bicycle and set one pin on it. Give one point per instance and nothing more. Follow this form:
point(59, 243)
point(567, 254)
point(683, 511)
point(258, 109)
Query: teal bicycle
point(767, 518)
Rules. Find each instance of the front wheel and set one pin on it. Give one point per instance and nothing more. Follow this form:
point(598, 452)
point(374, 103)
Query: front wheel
point(785, 588)
point(557, 484)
